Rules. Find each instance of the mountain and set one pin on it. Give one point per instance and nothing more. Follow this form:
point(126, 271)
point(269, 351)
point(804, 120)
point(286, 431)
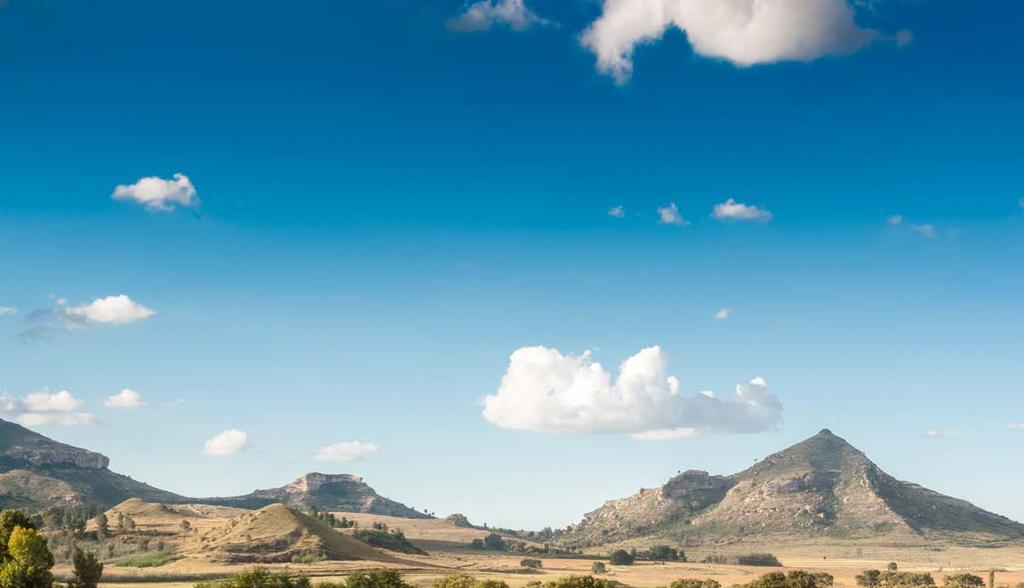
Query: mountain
point(325, 492)
point(821, 487)
point(37, 472)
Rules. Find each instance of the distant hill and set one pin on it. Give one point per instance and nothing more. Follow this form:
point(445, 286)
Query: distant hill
point(277, 534)
point(37, 472)
point(325, 492)
point(821, 487)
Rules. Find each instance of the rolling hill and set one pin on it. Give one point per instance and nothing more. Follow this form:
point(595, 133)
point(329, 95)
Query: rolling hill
point(821, 487)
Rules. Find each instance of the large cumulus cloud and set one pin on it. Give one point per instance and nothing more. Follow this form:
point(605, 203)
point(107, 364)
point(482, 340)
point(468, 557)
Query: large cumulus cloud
point(546, 390)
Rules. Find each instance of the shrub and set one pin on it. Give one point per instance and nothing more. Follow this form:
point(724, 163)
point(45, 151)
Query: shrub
point(695, 583)
point(149, 559)
point(477, 543)
point(27, 561)
point(393, 540)
point(794, 579)
point(494, 542)
point(308, 557)
point(533, 564)
point(258, 577)
point(887, 579)
point(620, 557)
point(869, 578)
point(376, 579)
point(892, 567)
point(963, 581)
point(87, 570)
point(578, 582)
point(665, 553)
point(598, 568)
point(759, 559)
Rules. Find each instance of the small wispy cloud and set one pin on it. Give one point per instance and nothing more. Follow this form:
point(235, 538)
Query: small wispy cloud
point(730, 210)
point(226, 443)
point(346, 451)
point(617, 211)
point(126, 398)
point(40, 409)
point(926, 230)
point(159, 195)
point(941, 434)
point(485, 14)
point(723, 314)
point(7, 310)
point(111, 310)
point(1017, 426)
point(669, 215)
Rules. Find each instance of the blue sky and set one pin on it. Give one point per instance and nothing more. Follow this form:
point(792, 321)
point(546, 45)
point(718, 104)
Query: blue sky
point(389, 202)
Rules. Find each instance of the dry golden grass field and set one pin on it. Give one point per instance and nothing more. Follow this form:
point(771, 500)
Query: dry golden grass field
point(448, 553)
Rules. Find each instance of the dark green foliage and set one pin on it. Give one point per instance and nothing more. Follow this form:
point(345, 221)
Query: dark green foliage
point(87, 570)
point(258, 577)
point(963, 581)
point(477, 543)
point(494, 542)
point(893, 566)
point(794, 579)
point(759, 559)
point(665, 553)
point(598, 568)
point(695, 583)
point(620, 557)
point(533, 564)
point(887, 579)
point(9, 519)
point(576, 582)
point(393, 540)
point(464, 581)
point(376, 579)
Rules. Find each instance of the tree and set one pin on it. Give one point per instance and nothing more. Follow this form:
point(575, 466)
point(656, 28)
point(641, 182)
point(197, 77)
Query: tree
point(185, 526)
point(664, 553)
point(695, 583)
point(11, 519)
point(598, 568)
point(494, 542)
point(892, 567)
point(869, 578)
point(376, 579)
point(964, 581)
point(87, 570)
point(28, 561)
point(991, 579)
point(477, 543)
point(620, 557)
point(102, 526)
point(532, 564)
point(759, 559)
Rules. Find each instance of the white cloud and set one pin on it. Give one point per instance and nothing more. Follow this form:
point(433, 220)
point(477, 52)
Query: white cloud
point(669, 215)
point(225, 443)
point(544, 390)
point(743, 32)
point(482, 15)
point(1018, 426)
point(666, 434)
point(617, 211)
point(114, 310)
point(158, 194)
point(62, 401)
point(346, 451)
point(40, 409)
point(59, 419)
point(126, 398)
point(924, 230)
point(7, 310)
point(730, 210)
point(111, 310)
point(723, 314)
point(941, 434)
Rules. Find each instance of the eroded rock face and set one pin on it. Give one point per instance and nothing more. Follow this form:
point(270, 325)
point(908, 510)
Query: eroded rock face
point(44, 456)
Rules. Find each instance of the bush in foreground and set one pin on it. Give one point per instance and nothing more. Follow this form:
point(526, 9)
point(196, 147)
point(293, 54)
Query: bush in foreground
point(695, 583)
point(258, 577)
point(887, 579)
point(963, 581)
point(87, 570)
point(466, 581)
point(574, 582)
point(794, 579)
